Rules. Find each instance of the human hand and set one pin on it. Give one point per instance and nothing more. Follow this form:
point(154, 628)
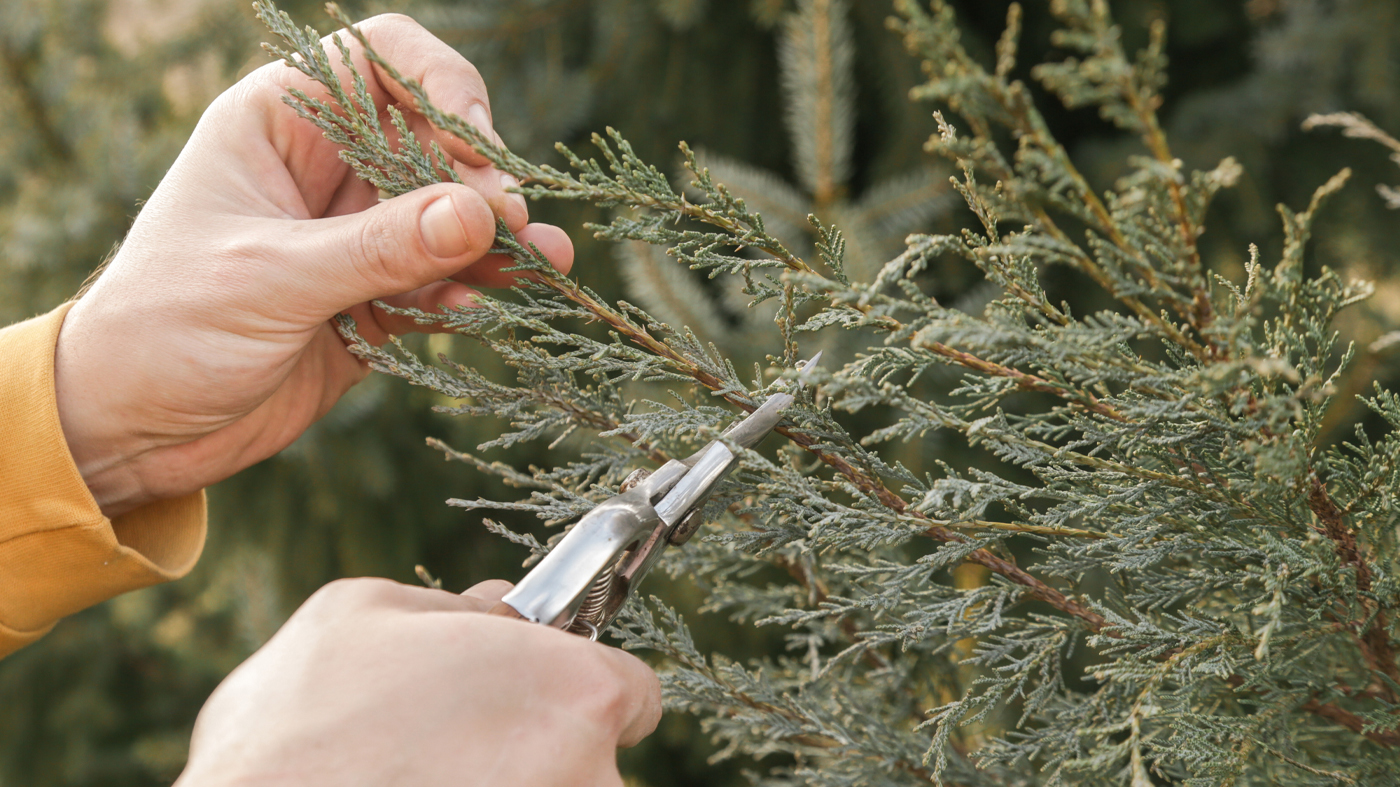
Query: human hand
point(376, 683)
point(205, 346)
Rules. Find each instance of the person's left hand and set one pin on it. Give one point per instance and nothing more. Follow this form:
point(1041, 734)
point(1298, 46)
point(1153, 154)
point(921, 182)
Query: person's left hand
point(205, 346)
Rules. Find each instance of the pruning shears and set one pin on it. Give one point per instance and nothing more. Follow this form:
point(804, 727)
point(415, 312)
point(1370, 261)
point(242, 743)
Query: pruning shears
point(582, 584)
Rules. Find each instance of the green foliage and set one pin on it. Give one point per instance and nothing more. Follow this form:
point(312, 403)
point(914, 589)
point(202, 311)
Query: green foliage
point(109, 697)
point(74, 163)
point(1185, 582)
point(98, 99)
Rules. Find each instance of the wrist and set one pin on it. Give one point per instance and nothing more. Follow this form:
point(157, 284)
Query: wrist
point(102, 453)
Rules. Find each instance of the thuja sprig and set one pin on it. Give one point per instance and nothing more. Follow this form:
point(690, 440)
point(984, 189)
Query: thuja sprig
point(1042, 175)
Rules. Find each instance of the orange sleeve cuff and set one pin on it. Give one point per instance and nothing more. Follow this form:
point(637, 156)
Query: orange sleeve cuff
point(58, 553)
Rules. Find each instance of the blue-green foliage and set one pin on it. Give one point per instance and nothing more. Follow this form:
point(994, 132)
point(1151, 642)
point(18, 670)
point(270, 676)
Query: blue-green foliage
point(1183, 584)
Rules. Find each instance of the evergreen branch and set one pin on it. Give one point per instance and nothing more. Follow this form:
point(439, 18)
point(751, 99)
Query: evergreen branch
point(1352, 722)
point(1354, 125)
point(800, 730)
point(862, 480)
point(1143, 102)
point(1374, 639)
point(1024, 381)
point(501, 470)
point(1033, 127)
point(873, 487)
point(1017, 112)
point(1039, 530)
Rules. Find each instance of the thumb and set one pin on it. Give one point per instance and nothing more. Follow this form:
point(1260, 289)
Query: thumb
point(396, 246)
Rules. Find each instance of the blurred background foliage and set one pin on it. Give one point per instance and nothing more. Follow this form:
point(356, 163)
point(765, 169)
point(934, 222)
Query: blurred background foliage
point(97, 97)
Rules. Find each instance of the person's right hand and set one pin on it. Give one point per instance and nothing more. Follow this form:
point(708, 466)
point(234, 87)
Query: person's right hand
point(376, 683)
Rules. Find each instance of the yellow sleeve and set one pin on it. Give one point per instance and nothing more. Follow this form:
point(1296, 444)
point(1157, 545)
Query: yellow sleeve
point(58, 553)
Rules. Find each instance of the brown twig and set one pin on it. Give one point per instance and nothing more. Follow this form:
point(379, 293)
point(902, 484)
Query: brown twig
point(1024, 380)
point(1351, 721)
point(1202, 312)
point(1373, 640)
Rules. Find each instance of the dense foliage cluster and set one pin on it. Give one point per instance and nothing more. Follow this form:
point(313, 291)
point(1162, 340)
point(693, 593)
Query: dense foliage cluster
point(882, 610)
point(1181, 583)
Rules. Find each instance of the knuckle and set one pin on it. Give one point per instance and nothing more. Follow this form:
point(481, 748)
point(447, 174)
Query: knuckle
point(231, 262)
point(473, 76)
point(239, 249)
point(390, 31)
point(380, 248)
point(387, 31)
point(239, 95)
point(260, 92)
point(356, 592)
point(607, 694)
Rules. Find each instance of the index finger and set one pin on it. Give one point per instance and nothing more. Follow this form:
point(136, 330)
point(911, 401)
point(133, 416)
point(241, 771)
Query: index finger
point(642, 698)
point(487, 594)
point(451, 80)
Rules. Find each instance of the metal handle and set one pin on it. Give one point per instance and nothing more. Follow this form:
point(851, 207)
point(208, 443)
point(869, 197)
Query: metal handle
point(553, 591)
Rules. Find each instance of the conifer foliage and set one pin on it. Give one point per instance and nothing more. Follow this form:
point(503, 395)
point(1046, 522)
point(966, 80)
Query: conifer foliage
point(1185, 584)
point(816, 60)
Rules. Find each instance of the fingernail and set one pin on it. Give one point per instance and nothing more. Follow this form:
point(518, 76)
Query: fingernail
point(442, 230)
point(479, 117)
point(509, 182)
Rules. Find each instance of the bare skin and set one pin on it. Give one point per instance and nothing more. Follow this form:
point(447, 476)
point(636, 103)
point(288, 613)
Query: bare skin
point(199, 353)
point(206, 346)
point(375, 683)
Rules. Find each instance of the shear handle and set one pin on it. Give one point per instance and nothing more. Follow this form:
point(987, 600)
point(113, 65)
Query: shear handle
point(555, 588)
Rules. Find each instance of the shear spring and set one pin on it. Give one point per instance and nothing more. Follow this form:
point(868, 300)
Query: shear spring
point(594, 604)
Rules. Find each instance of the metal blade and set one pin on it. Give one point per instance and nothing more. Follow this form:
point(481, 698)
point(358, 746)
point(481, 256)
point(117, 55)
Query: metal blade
point(756, 426)
point(710, 465)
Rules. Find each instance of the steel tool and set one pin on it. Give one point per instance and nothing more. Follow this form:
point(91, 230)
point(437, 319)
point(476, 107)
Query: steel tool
point(581, 585)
